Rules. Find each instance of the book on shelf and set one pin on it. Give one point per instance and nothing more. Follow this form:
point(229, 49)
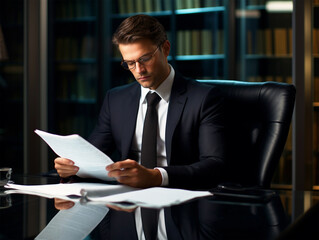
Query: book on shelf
point(188, 42)
point(180, 42)
point(219, 40)
point(268, 41)
point(67, 48)
point(289, 79)
point(260, 42)
point(206, 42)
point(180, 4)
point(167, 5)
point(80, 88)
point(280, 40)
point(122, 6)
point(212, 3)
point(316, 88)
point(279, 79)
point(315, 40)
point(12, 69)
point(290, 41)
point(140, 6)
point(288, 146)
point(196, 4)
point(59, 48)
point(73, 46)
point(63, 87)
point(197, 42)
point(270, 78)
point(87, 47)
point(131, 6)
point(149, 7)
point(188, 3)
point(249, 42)
point(158, 5)
point(73, 9)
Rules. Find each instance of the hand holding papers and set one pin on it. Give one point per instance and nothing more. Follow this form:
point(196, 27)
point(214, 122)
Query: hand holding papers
point(90, 160)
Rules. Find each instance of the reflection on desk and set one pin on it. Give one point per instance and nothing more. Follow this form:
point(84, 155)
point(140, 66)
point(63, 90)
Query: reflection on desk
point(204, 218)
point(28, 217)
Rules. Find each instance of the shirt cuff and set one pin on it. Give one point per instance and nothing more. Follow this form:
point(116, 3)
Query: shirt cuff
point(164, 176)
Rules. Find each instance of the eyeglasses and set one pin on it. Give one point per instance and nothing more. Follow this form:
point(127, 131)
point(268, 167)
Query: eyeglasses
point(144, 60)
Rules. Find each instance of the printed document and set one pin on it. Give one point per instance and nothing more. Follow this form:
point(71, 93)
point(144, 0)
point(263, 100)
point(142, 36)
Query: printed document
point(90, 160)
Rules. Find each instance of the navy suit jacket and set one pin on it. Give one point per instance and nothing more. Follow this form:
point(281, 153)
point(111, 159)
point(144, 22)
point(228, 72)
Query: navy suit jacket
point(194, 130)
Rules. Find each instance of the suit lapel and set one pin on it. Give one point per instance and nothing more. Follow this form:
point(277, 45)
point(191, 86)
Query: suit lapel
point(131, 115)
point(176, 105)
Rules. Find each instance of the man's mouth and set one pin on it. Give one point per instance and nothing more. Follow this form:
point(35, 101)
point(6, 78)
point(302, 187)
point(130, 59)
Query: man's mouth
point(143, 78)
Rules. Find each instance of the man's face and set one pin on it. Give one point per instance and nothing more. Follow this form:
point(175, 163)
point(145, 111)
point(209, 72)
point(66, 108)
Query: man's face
point(155, 70)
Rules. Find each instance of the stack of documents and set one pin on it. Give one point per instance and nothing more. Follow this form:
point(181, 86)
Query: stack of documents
point(92, 162)
point(98, 193)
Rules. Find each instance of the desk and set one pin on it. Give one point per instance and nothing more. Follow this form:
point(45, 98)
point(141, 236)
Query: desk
point(24, 217)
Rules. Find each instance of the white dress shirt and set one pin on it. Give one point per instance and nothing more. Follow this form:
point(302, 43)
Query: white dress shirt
point(164, 91)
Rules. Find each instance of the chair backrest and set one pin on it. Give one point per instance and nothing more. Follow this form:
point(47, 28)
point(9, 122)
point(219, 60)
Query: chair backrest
point(258, 117)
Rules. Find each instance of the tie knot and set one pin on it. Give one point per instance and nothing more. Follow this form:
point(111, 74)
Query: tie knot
point(152, 99)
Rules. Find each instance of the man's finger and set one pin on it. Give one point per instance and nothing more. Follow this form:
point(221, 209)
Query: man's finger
point(121, 165)
point(64, 161)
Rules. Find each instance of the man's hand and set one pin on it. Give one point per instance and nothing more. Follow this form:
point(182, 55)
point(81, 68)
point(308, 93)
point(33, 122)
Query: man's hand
point(117, 208)
point(62, 204)
point(65, 167)
point(130, 173)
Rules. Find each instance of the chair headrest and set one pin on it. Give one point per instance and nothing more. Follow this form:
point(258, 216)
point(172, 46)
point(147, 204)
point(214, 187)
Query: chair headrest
point(257, 121)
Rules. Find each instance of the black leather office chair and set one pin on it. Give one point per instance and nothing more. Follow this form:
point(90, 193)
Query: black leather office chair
point(258, 117)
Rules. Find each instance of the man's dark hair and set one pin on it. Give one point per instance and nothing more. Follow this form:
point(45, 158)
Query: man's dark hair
point(140, 27)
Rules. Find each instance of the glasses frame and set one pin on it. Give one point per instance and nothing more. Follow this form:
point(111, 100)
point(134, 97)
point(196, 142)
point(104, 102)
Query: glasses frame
point(138, 60)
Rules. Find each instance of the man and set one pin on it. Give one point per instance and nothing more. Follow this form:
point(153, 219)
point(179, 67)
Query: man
point(190, 141)
point(189, 151)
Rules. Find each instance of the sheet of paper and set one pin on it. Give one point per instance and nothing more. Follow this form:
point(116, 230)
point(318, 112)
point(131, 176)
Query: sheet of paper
point(68, 190)
point(90, 160)
point(73, 224)
point(156, 197)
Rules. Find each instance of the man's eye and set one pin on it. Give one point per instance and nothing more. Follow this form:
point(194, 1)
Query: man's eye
point(130, 63)
point(145, 59)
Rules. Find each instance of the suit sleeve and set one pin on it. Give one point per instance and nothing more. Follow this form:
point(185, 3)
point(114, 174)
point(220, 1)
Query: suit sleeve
point(102, 137)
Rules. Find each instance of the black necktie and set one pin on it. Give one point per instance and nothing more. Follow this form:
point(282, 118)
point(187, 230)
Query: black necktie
point(149, 143)
point(149, 160)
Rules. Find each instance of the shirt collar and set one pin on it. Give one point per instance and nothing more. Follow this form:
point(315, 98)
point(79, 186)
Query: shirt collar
point(163, 90)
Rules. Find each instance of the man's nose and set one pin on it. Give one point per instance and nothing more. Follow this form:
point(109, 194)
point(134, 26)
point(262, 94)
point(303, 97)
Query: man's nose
point(139, 67)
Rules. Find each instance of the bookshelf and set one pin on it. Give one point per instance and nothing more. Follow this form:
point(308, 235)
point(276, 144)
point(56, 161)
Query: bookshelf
point(73, 66)
point(315, 54)
point(265, 54)
point(11, 85)
point(266, 43)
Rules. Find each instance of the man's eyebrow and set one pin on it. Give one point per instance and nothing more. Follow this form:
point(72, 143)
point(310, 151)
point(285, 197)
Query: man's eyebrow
point(138, 58)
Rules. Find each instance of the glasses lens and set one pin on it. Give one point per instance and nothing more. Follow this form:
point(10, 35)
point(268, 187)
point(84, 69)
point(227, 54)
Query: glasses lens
point(145, 59)
point(124, 65)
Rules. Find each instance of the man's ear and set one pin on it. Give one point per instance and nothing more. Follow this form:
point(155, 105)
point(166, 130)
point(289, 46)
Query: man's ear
point(166, 48)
